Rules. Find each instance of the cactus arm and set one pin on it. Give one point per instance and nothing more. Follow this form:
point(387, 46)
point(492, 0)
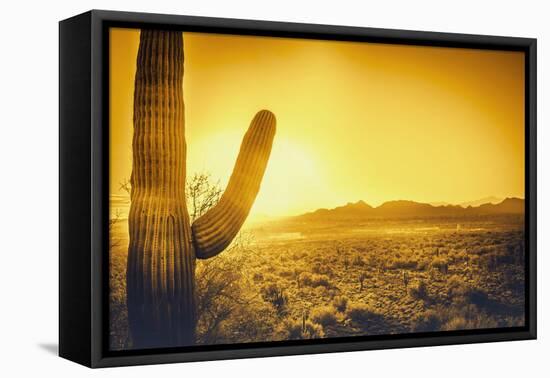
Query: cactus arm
point(215, 230)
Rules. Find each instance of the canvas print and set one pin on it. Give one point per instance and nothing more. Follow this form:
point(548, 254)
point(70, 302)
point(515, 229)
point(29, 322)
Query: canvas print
point(268, 189)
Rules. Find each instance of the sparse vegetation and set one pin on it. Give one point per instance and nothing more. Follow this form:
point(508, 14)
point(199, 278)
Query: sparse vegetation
point(310, 287)
point(325, 315)
point(275, 295)
point(340, 303)
point(292, 329)
point(418, 290)
point(360, 312)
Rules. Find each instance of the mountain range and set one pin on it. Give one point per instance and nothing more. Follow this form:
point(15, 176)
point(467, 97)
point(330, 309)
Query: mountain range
point(411, 209)
point(492, 199)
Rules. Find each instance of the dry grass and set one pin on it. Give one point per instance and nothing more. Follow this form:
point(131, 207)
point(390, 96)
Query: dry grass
point(338, 280)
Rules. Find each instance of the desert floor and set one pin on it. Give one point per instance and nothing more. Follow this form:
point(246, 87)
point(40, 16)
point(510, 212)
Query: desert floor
point(287, 280)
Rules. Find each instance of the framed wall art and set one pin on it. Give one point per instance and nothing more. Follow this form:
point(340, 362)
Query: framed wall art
point(234, 188)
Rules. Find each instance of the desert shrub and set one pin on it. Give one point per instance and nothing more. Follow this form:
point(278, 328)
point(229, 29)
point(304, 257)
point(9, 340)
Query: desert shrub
point(275, 295)
point(221, 291)
point(514, 281)
point(119, 335)
point(321, 292)
point(494, 260)
point(422, 264)
point(228, 311)
point(418, 290)
point(316, 268)
point(455, 323)
point(462, 293)
point(476, 296)
point(456, 288)
point(320, 268)
point(360, 312)
point(340, 303)
point(327, 270)
point(296, 272)
point(373, 260)
point(320, 280)
point(314, 280)
point(287, 273)
point(462, 255)
point(357, 261)
point(345, 261)
point(305, 278)
point(430, 320)
point(455, 317)
point(325, 315)
point(312, 330)
point(293, 329)
point(441, 264)
point(454, 282)
point(403, 263)
point(251, 322)
point(468, 317)
point(361, 278)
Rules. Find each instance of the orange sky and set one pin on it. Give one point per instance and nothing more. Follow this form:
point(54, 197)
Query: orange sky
point(354, 120)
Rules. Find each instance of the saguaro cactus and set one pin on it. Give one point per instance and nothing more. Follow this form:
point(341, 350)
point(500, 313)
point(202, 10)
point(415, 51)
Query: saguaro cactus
point(163, 246)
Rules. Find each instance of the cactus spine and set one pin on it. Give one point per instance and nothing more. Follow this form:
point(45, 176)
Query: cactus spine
point(160, 276)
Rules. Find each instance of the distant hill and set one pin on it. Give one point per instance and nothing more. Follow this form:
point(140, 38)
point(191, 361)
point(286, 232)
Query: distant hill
point(440, 203)
point(494, 200)
point(508, 206)
point(411, 209)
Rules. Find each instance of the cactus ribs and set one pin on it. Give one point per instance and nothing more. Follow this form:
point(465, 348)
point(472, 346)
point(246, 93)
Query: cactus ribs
point(163, 245)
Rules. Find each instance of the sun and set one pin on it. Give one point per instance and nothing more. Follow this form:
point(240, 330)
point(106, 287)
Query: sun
point(293, 180)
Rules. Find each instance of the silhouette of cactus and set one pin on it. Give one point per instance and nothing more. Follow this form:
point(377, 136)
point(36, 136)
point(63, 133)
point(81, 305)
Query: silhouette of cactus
point(163, 245)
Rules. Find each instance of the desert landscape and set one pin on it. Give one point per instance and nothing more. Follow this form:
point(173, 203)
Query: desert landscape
point(288, 189)
point(355, 270)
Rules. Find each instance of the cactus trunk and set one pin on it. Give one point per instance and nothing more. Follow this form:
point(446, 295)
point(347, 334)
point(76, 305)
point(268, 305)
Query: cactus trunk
point(160, 277)
point(161, 262)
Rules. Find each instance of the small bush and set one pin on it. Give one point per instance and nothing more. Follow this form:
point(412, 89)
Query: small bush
point(324, 315)
point(469, 319)
point(462, 255)
point(455, 287)
point(321, 292)
point(312, 330)
point(494, 260)
point(340, 303)
point(457, 317)
point(314, 280)
point(428, 321)
point(422, 264)
point(360, 312)
point(441, 264)
point(477, 296)
point(357, 261)
point(403, 263)
point(292, 329)
point(418, 290)
point(273, 294)
point(457, 322)
point(287, 273)
point(460, 292)
point(316, 268)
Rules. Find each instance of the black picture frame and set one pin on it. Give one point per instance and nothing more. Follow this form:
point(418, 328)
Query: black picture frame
point(83, 180)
